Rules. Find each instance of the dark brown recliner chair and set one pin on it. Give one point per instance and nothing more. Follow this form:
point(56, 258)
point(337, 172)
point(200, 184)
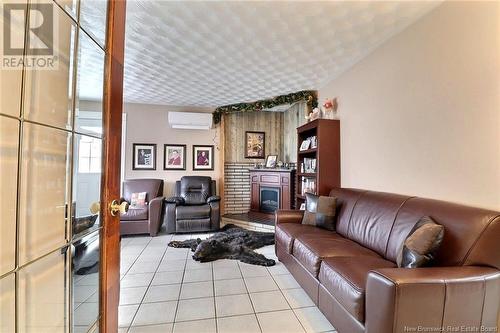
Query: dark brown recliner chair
point(195, 207)
point(149, 219)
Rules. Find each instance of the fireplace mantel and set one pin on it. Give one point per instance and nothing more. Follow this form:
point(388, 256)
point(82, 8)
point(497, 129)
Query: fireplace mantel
point(282, 179)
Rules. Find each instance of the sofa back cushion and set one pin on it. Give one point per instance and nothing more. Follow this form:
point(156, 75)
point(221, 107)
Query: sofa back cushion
point(195, 189)
point(468, 237)
point(346, 200)
point(372, 219)
point(152, 187)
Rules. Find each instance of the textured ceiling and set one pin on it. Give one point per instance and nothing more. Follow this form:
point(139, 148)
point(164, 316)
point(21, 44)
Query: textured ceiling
point(217, 53)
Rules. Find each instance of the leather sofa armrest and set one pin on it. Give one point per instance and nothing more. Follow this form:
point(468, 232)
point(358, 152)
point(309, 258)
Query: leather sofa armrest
point(289, 216)
point(175, 200)
point(155, 215)
point(213, 198)
point(404, 300)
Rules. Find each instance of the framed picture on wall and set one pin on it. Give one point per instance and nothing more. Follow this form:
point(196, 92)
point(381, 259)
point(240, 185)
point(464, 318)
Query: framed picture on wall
point(144, 156)
point(203, 157)
point(174, 157)
point(255, 143)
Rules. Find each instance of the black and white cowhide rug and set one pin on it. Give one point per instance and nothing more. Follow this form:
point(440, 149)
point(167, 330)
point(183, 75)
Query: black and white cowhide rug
point(230, 242)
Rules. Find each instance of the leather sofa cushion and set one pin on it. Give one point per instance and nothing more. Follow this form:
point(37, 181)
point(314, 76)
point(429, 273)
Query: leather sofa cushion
point(310, 250)
point(345, 278)
point(285, 233)
point(193, 225)
point(192, 212)
point(135, 214)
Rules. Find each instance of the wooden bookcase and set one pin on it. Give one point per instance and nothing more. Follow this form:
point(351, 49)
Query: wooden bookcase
point(327, 154)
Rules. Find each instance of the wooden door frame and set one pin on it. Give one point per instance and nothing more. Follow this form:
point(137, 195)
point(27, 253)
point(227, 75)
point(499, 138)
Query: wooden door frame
point(110, 182)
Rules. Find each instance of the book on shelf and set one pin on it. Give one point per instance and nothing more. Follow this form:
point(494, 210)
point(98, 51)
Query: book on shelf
point(308, 185)
point(308, 165)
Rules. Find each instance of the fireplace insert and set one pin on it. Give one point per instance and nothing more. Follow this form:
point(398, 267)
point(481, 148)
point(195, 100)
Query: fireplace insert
point(269, 199)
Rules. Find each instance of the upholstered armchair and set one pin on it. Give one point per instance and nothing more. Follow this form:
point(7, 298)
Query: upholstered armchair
point(147, 220)
point(195, 207)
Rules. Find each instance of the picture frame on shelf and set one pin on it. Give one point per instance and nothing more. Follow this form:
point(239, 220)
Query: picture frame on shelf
point(144, 156)
point(174, 157)
point(255, 144)
point(203, 158)
point(271, 161)
point(305, 145)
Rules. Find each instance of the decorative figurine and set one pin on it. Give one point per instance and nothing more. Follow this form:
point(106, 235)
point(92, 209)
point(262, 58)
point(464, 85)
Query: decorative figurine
point(330, 109)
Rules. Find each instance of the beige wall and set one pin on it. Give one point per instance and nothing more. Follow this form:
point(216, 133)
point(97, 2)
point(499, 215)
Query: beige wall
point(149, 124)
point(421, 114)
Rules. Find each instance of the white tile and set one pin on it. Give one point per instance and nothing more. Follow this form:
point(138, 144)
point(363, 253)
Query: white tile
point(225, 263)
point(240, 324)
point(195, 326)
point(253, 270)
point(279, 321)
point(269, 301)
point(172, 265)
point(193, 264)
point(230, 287)
point(197, 290)
point(198, 275)
point(143, 267)
point(163, 328)
point(260, 283)
point(297, 298)
point(126, 314)
point(82, 293)
point(313, 320)
point(174, 277)
point(173, 253)
point(225, 273)
point(162, 293)
point(286, 281)
point(136, 280)
point(233, 305)
point(195, 309)
point(132, 295)
point(278, 269)
point(155, 313)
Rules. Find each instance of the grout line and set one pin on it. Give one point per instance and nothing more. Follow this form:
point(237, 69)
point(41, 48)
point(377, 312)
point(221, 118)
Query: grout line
point(248, 294)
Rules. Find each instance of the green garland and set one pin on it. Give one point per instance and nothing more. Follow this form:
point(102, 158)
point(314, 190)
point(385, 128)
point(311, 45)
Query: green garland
point(306, 95)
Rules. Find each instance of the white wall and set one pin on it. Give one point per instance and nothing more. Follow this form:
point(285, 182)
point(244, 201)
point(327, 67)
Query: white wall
point(149, 124)
point(421, 114)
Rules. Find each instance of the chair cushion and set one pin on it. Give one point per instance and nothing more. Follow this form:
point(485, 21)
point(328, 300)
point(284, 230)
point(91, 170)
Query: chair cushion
point(310, 250)
point(135, 214)
point(192, 212)
point(285, 233)
point(345, 278)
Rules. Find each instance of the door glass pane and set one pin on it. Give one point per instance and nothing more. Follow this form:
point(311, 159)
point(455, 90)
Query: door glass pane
point(85, 282)
point(43, 191)
point(48, 94)
point(43, 295)
point(9, 145)
point(70, 6)
point(86, 184)
point(89, 87)
point(11, 75)
point(93, 18)
point(7, 304)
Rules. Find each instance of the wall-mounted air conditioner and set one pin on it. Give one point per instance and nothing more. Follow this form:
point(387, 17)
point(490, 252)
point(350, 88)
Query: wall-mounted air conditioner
point(190, 120)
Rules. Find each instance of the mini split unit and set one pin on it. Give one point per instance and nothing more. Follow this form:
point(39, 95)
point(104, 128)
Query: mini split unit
point(190, 120)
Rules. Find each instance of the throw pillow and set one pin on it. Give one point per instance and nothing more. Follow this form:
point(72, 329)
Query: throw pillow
point(421, 244)
point(138, 200)
point(320, 211)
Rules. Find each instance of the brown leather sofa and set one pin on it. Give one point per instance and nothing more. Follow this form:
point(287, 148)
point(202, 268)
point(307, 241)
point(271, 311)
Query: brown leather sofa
point(352, 276)
point(195, 207)
point(149, 219)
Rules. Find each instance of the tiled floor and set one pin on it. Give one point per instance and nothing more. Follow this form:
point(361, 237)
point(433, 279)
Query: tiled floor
point(164, 290)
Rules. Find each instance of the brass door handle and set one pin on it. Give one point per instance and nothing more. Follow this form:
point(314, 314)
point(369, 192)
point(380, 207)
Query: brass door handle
point(116, 208)
point(95, 208)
